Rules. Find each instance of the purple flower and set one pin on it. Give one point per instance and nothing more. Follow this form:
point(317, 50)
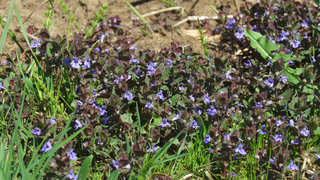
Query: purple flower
point(133, 60)
point(72, 155)
point(151, 68)
point(313, 59)
point(318, 157)
point(1, 86)
point(164, 123)
point(283, 35)
point(78, 124)
point(207, 139)
point(70, 175)
point(278, 138)
point(248, 63)
point(198, 110)
point(291, 123)
point(149, 105)
point(228, 75)
point(105, 120)
point(137, 71)
point(278, 123)
point(102, 37)
point(259, 104)
point(240, 150)
point(305, 132)
point(152, 149)
point(191, 98)
point(169, 62)
point(35, 43)
point(295, 43)
point(283, 79)
point(294, 141)
point(177, 117)
point(102, 111)
point(262, 130)
point(272, 160)
point(292, 166)
point(133, 47)
point(87, 63)
point(269, 82)
point(53, 121)
point(239, 34)
point(194, 124)
point(115, 164)
point(160, 95)
point(305, 24)
point(36, 131)
point(226, 137)
point(128, 95)
point(206, 98)
point(75, 63)
point(46, 147)
point(212, 110)
point(231, 23)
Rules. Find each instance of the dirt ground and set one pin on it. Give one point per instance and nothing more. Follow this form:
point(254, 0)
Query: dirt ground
point(85, 11)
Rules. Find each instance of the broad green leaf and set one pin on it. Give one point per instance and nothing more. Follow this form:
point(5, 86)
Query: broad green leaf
point(317, 131)
point(85, 167)
point(291, 78)
point(295, 72)
point(261, 44)
point(126, 118)
point(114, 175)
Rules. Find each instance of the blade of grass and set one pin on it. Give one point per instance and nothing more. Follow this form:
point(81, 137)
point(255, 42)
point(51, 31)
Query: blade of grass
point(114, 175)
point(136, 12)
point(6, 28)
point(139, 120)
point(84, 170)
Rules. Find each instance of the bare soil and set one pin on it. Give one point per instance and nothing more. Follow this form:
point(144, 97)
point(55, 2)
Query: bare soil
point(33, 12)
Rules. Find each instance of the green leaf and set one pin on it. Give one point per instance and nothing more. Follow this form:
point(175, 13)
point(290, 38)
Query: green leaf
point(126, 118)
point(261, 44)
point(84, 170)
point(291, 78)
point(114, 175)
point(317, 131)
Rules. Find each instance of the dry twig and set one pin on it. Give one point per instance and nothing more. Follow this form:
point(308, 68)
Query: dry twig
point(195, 18)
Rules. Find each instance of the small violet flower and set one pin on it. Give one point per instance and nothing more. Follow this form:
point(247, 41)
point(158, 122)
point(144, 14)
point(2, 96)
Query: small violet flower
point(269, 82)
point(53, 121)
point(278, 138)
point(46, 147)
point(149, 105)
point(152, 149)
point(194, 124)
point(35, 43)
point(70, 175)
point(292, 166)
point(169, 62)
point(291, 123)
point(87, 63)
point(36, 131)
point(1, 86)
point(295, 43)
point(262, 130)
point(160, 95)
point(72, 155)
point(305, 132)
point(164, 123)
point(75, 63)
point(228, 75)
point(78, 124)
point(207, 139)
point(231, 23)
point(240, 150)
point(283, 79)
point(128, 95)
point(206, 98)
point(239, 34)
point(115, 164)
point(212, 110)
point(278, 123)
